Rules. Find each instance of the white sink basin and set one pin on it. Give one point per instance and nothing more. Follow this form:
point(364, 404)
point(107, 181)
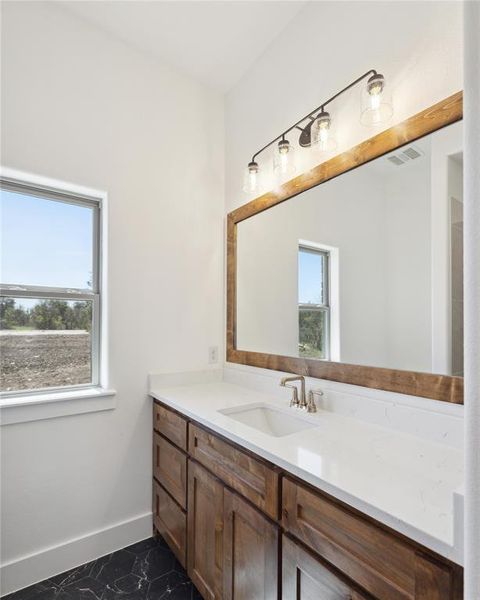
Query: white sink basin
point(269, 419)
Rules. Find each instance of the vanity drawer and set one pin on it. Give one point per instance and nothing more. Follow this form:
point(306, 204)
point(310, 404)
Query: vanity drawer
point(378, 561)
point(171, 425)
point(252, 478)
point(170, 521)
point(170, 468)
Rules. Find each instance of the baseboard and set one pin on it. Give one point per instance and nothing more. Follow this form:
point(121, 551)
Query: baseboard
point(27, 570)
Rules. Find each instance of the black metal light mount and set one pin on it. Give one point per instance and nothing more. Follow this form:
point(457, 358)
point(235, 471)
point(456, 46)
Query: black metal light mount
point(375, 86)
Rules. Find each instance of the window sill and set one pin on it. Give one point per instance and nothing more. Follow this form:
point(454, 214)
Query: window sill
point(35, 407)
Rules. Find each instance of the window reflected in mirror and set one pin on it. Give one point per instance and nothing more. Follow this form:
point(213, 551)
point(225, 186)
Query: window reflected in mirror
point(313, 302)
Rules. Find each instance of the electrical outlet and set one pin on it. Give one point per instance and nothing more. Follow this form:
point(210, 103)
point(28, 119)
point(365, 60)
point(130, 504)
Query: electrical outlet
point(213, 355)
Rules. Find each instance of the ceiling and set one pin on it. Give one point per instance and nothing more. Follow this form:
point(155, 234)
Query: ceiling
point(214, 42)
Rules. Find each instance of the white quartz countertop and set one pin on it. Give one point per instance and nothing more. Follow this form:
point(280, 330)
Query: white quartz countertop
point(401, 480)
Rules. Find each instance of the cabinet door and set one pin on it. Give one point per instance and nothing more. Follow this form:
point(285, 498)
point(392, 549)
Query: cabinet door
point(170, 521)
point(205, 531)
point(306, 578)
point(250, 567)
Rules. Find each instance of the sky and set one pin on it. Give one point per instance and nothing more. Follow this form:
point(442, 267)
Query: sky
point(44, 242)
point(310, 278)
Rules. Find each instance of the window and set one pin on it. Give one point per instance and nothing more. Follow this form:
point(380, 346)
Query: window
point(49, 289)
point(313, 303)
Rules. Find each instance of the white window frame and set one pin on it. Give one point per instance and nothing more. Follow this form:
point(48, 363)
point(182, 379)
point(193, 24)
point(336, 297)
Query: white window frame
point(332, 307)
point(95, 395)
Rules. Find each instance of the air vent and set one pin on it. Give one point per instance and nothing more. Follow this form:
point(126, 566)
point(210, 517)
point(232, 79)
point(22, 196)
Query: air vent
point(411, 152)
point(405, 155)
point(395, 160)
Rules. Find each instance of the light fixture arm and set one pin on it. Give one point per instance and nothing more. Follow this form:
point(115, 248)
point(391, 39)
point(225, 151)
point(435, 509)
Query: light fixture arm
point(311, 114)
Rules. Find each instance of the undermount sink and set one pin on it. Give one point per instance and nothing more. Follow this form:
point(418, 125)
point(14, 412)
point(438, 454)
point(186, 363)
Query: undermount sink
point(269, 419)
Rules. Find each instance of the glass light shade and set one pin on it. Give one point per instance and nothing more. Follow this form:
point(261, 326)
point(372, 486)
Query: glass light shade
point(252, 178)
point(377, 106)
point(283, 161)
point(321, 138)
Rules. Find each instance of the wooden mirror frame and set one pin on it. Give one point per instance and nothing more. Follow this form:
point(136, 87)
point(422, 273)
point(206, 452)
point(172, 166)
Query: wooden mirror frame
point(427, 385)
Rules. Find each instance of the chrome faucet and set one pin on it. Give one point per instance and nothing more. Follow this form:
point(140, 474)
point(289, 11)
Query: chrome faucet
point(296, 401)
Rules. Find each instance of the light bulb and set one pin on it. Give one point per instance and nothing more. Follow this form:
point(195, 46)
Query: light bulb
point(284, 155)
point(283, 160)
point(283, 151)
point(375, 101)
point(251, 180)
point(321, 130)
point(320, 136)
point(376, 108)
point(375, 86)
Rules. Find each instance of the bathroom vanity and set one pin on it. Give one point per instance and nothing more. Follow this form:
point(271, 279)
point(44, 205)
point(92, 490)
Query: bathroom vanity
point(245, 509)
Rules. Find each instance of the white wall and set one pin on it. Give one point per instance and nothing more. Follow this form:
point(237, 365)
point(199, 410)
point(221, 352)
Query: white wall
point(416, 45)
point(82, 107)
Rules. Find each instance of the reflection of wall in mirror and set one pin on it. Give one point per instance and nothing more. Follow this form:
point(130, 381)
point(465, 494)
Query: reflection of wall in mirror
point(455, 185)
point(446, 182)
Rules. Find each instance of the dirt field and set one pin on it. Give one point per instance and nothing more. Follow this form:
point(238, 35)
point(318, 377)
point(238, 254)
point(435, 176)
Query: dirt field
point(30, 360)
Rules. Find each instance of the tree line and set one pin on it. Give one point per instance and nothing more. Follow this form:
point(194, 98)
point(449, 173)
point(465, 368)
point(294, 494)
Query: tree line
point(46, 314)
point(312, 338)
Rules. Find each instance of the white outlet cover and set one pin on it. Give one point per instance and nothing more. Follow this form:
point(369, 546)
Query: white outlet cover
point(213, 355)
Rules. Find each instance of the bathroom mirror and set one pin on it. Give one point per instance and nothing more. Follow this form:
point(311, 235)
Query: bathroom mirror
point(354, 272)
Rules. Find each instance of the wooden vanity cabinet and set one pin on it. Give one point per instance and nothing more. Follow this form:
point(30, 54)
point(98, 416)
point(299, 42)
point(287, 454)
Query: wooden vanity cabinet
point(170, 480)
point(205, 531)
point(250, 552)
point(305, 577)
point(385, 565)
point(349, 542)
point(170, 469)
point(246, 530)
point(232, 548)
point(171, 425)
point(170, 521)
point(249, 476)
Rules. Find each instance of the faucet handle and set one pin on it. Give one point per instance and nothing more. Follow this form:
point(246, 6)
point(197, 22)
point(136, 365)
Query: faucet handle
point(294, 401)
point(311, 406)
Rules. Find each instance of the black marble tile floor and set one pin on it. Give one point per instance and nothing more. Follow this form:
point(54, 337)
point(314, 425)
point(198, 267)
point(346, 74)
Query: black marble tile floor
point(144, 571)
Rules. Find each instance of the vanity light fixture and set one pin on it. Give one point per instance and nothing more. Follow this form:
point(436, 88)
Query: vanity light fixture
point(315, 129)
